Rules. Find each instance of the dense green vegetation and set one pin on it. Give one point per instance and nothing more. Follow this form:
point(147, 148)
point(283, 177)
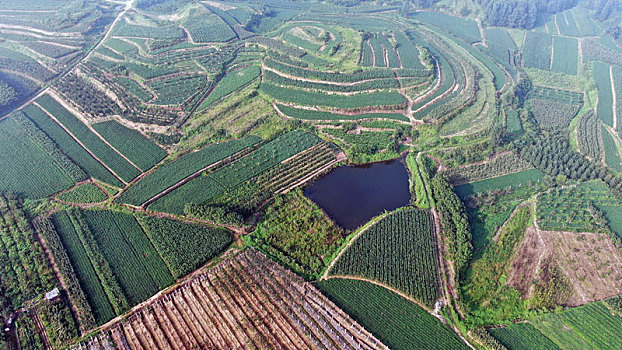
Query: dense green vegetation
point(168, 174)
point(454, 222)
point(24, 155)
point(485, 280)
point(514, 337)
point(89, 139)
point(131, 143)
point(85, 193)
point(139, 156)
point(26, 273)
point(396, 321)
point(190, 247)
point(297, 233)
point(397, 251)
point(214, 184)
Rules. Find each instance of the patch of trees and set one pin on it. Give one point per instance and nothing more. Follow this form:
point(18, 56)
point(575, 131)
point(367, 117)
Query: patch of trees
point(552, 154)
point(454, 222)
point(521, 13)
point(216, 214)
point(90, 99)
point(604, 9)
point(7, 94)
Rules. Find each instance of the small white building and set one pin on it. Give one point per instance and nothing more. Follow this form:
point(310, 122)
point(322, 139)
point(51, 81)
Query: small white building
point(52, 295)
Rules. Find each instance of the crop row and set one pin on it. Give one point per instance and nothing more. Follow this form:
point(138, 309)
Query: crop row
point(398, 251)
point(167, 175)
point(308, 114)
point(565, 55)
point(342, 77)
point(231, 82)
point(139, 149)
point(70, 147)
point(214, 184)
point(357, 101)
point(25, 168)
point(176, 91)
point(207, 29)
point(537, 50)
point(93, 142)
point(602, 78)
point(386, 83)
point(278, 309)
point(396, 321)
point(589, 136)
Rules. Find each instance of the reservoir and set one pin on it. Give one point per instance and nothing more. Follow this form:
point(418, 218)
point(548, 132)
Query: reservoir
point(351, 195)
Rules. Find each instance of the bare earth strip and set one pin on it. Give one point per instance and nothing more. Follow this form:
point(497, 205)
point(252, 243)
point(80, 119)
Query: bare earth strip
point(590, 261)
point(615, 97)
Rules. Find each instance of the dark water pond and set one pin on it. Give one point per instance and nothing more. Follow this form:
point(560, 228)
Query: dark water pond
point(351, 195)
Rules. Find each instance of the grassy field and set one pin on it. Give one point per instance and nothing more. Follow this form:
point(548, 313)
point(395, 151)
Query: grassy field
point(396, 321)
point(513, 123)
point(497, 183)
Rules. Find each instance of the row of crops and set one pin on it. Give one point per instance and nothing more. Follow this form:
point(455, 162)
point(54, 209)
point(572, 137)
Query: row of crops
point(89, 139)
point(84, 193)
point(208, 29)
point(177, 90)
point(522, 178)
point(120, 261)
point(592, 326)
point(227, 178)
point(309, 114)
point(171, 173)
point(554, 108)
point(23, 155)
point(276, 308)
point(377, 51)
point(398, 251)
point(551, 53)
point(357, 101)
point(589, 136)
point(131, 143)
point(70, 146)
point(396, 321)
point(602, 77)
